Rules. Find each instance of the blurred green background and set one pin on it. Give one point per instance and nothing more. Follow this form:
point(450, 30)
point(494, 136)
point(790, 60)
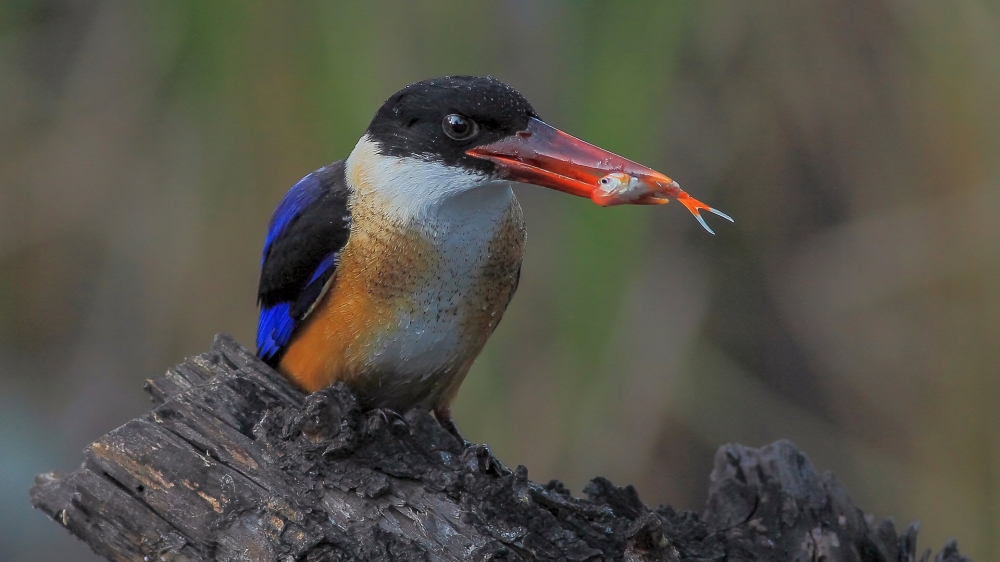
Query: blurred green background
point(854, 307)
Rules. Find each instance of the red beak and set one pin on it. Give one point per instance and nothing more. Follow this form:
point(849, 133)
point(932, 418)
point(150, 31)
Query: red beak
point(545, 156)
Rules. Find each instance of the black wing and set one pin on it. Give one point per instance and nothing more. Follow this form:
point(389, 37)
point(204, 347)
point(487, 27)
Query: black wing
point(307, 232)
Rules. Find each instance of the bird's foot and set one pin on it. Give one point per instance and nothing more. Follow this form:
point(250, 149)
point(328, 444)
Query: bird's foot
point(479, 458)
point(386, 417)
point(444, 418)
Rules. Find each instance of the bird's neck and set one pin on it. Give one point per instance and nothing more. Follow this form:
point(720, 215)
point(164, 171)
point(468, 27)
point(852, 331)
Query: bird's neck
point(411, 193)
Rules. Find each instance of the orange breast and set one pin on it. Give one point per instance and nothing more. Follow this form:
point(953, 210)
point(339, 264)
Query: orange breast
point(410, 307)
point(376, 274)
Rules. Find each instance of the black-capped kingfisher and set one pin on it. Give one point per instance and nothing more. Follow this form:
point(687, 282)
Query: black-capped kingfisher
point(389, 270)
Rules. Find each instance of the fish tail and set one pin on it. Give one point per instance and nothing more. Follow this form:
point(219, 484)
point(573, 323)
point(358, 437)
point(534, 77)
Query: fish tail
point(696, 207)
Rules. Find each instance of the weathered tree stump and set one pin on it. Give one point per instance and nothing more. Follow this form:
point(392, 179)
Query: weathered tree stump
point(235, 464)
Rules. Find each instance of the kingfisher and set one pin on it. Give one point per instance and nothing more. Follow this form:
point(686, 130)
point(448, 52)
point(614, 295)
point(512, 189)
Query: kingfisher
point(390, 269)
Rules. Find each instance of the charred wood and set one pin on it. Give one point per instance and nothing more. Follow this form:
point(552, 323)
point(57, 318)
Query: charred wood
point(235, 464)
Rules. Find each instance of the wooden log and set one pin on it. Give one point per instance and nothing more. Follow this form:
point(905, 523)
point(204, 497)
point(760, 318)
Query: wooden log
point(235, 464)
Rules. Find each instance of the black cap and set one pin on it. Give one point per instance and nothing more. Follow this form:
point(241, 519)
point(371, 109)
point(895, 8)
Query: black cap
point(413, 121)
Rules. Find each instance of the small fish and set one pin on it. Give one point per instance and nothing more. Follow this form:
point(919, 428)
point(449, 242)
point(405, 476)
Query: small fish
point(619, 188)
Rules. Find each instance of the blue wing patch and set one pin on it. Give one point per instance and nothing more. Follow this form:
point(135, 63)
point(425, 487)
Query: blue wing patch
point(274, 330)
point(308, 229)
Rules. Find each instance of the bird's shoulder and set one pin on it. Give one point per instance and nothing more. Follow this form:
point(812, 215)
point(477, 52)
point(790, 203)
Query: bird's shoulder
point(307, 231)
point(310, 224)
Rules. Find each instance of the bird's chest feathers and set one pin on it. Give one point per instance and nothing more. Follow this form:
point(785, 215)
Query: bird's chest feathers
point(443, 278)
point(428, 269)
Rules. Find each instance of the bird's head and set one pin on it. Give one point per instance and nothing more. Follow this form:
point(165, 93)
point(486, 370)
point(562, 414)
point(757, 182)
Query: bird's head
point(448, 135)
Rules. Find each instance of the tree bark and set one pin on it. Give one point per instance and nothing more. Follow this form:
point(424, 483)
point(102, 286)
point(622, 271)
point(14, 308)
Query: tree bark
point(235, 464)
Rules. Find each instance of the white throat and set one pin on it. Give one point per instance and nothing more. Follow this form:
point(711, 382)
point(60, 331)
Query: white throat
point(414, 190)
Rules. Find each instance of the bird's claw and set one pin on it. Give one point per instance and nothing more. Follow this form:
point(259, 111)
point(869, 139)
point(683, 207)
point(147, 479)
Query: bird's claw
point(480, 459)
point(386, 417)
point(446, 422)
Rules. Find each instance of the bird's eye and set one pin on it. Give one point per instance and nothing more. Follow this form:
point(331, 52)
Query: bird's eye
point(459, 127)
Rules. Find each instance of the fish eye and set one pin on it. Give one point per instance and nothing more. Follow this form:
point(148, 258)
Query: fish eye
point(459, 127)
